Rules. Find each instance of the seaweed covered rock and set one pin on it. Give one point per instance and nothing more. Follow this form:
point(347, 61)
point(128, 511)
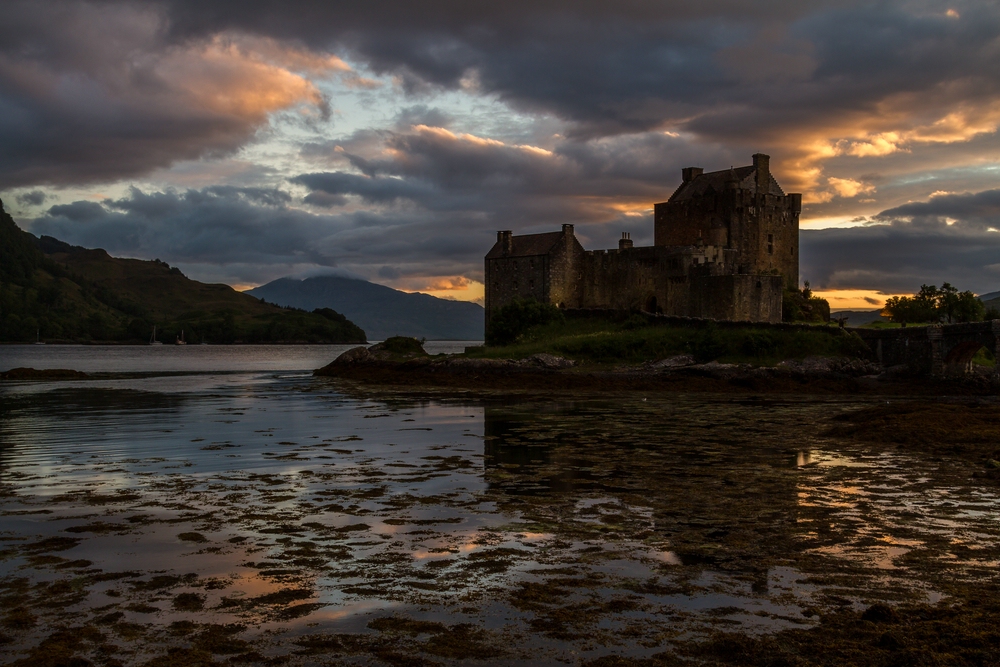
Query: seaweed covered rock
point(395, 350)
point(398, 346)
point(47, 374)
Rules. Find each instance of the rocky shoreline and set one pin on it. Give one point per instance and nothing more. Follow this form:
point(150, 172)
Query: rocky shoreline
point(48, 374)
point(545, 372)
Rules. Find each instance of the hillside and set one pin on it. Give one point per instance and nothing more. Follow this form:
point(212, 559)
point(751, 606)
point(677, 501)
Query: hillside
point(73, 294)
point(381, 311)
point(991, 300)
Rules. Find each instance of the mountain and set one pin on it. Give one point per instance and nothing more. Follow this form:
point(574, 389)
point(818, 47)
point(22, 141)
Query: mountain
point(73, 294)
point(857, 318)
point(381, 311)
point(991, 296)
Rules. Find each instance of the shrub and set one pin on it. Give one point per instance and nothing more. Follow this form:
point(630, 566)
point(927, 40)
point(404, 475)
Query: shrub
point(402, 345)
point(512, 321)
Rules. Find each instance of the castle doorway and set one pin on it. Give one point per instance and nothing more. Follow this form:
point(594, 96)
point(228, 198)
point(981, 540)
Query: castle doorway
point(651, 305)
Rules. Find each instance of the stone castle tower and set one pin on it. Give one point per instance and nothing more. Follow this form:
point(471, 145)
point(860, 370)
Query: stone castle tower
point(743, 209)
point(726, 243)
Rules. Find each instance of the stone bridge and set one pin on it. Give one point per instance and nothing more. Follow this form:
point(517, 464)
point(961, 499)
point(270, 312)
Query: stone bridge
point(942, 349)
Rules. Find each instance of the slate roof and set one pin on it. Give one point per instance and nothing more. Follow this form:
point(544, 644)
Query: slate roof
point(715, 181)
point(527, 245)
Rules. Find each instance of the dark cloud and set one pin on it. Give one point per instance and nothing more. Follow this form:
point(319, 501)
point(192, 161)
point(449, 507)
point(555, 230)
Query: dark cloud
point(728, 69)
point(33, 198)
point(247, 235)
point(947, 239)
point(333, 187)
point(421, 114)
point(977, 211)
point(390, 273)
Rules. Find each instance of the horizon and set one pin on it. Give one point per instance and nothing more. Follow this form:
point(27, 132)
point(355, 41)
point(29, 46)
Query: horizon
point(242, 144)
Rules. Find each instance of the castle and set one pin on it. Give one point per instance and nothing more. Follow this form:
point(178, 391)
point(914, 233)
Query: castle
point(725, 246)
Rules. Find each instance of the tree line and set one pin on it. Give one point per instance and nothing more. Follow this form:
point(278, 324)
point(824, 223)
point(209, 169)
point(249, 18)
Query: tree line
point(933, 304)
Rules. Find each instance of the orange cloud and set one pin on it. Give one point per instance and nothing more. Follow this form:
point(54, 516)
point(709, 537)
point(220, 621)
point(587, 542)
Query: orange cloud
point(223, 77)
point(848, 187)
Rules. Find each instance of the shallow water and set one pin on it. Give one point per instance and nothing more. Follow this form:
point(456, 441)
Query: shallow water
point(278, 513)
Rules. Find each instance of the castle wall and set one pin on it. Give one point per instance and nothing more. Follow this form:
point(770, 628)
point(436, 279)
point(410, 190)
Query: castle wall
point(750, 298)
point(511, 278)
point(653, 279)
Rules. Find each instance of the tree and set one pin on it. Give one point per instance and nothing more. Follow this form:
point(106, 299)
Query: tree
point(931, 304)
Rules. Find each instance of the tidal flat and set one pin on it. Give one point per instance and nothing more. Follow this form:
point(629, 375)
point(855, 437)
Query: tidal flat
point(277, 518)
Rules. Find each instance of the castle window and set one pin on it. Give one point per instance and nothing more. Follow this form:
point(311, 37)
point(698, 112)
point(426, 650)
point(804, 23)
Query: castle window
point(770, 244)
point(531, 284)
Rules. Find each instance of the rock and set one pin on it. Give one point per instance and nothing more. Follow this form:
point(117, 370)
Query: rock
point(551, 361)
point(398, 346)
point(476, 364)
point(354, 355)
point(880, 613)
point(827, 365)
point(46, 374)
point(678, 361)
point(714, 369)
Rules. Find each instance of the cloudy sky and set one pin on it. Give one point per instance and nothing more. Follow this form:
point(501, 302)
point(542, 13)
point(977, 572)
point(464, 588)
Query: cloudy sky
point(247, 140)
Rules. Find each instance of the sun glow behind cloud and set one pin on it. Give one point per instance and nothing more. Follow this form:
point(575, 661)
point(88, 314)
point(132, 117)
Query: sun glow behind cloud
point(458, 288)
point(855, 299)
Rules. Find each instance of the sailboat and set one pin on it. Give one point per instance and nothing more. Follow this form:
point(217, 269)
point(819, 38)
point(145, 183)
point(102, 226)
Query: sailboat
point(152, 339)
point(180, 341)
point(38, 337)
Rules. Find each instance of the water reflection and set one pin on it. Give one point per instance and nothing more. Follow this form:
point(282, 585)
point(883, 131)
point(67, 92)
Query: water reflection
point(578, 526)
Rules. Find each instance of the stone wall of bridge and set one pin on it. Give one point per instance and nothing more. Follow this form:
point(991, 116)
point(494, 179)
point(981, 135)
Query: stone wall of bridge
point(939, 350)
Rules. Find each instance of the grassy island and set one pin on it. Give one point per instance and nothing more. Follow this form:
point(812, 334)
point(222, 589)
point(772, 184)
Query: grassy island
point(525, 329)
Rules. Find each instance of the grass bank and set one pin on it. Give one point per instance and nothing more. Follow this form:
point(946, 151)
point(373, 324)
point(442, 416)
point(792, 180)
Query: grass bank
point(635, 340)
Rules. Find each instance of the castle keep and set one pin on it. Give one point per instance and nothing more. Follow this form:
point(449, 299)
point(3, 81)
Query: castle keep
point(725, 245)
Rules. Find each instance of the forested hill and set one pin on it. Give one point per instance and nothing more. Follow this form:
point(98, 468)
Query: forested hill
point(68, 293)
point(381, 311)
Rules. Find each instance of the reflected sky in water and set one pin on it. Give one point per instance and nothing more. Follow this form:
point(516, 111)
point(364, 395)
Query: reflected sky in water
point(568, 526)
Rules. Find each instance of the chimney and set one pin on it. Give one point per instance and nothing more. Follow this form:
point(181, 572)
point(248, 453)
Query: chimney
point(762, 165)
point(691, 173)
point(568, 230)
point(625, 241)
point(506, 239)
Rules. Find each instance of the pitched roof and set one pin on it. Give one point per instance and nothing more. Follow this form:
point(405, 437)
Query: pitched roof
point(715, 181)
point(527, 245)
